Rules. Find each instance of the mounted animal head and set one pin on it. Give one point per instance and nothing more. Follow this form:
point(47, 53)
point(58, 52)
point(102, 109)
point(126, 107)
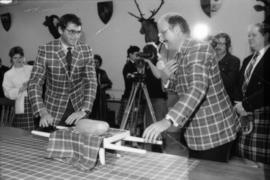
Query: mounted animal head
point(149, 26)
point(52, 23)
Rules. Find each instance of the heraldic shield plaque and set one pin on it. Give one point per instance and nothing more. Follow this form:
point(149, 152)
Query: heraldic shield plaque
point(105, 10)
point(6, 21)
point(211, 7)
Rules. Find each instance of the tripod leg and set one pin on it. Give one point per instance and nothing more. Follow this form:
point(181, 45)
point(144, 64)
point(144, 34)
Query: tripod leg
point(137, 112)
point(129, 105)
point(149, 104)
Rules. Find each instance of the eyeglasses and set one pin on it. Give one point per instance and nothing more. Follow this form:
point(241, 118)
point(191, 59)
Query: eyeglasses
point(17, 57)
point(221, 43)
point(73, 32)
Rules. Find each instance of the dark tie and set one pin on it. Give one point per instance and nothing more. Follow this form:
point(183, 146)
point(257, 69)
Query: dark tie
point(69, 59)
point(248, 71)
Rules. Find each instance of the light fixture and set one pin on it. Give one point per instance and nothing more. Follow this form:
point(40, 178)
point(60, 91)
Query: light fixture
point(6, 1)
point(200, 31)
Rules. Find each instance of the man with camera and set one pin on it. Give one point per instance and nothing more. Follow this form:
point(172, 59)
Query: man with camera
point(129, 71)
point(140, 68)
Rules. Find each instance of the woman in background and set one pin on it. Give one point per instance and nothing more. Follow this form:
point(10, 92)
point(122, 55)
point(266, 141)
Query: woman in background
point(104, 83)
point(15, 87)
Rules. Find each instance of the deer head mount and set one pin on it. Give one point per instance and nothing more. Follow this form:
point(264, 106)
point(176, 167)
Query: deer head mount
point(149, 26)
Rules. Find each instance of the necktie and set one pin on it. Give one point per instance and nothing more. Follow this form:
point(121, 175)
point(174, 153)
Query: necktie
point(248, 71)
point(69, 59)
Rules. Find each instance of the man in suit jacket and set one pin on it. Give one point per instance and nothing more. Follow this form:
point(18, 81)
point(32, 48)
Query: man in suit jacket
point(70, 79)
point(203, 108)
point(255, 101)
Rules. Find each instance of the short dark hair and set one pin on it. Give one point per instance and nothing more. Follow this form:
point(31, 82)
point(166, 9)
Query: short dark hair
point(69, 18)
point(227, 38)
point(174, 19)
point(152, 50)
point(132, 49)
point(98, 57)
point(16, 50)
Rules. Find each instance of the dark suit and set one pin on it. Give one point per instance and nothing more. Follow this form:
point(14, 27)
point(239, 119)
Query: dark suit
point(256, 145)
point(229, 67)
point(257, 92)
point(3, 69)
point(100, 110)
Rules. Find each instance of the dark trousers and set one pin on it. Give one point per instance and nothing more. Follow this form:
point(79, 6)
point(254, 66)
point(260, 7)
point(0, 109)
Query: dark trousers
point(221, 153)
point(68, 112)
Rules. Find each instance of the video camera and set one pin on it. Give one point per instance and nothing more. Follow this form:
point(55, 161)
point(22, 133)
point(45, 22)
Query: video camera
point(150, 53)
point(139, 62)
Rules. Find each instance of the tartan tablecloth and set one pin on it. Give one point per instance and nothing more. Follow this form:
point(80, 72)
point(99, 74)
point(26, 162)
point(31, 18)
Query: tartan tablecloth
point(23, 158)
point(79, 150)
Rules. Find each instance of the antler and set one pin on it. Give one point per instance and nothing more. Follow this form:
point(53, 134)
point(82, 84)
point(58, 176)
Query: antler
point(154, 12)
point(138, 7)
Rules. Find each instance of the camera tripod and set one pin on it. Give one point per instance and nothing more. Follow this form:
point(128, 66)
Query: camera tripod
point(138, 87)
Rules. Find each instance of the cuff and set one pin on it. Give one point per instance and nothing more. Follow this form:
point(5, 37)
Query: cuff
point(174, 123)
point(166, 84)
point(87, 112)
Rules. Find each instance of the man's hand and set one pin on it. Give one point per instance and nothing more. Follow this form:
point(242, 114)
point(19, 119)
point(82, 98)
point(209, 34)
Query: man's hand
point(74, 117)
point(46, 119)
point(240, 109)
point(24, 87)
point(152, 132)
point(168, 69)
point(130, 75)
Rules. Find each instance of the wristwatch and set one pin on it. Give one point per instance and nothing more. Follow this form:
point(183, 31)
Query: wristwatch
point(87, 112)
point(170, 121)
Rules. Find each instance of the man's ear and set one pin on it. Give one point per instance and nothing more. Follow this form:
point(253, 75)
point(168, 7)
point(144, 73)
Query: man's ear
point(60, 30)
point(177, 29)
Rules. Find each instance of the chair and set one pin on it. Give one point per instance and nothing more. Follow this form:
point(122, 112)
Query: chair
point(7, 112)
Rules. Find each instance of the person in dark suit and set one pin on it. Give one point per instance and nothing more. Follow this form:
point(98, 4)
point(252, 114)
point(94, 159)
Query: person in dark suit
point(129, 71)
point(3, 69)
point(229, 64)
point(100, 108)
point(203, 108)
point(254, 105)
point(67, 66)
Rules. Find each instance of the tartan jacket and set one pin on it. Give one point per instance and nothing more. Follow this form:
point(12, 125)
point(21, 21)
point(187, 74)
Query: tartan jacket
point(203, 108)
point(51, 67)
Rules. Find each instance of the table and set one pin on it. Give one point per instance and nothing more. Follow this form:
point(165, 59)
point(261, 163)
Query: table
point(22, 157)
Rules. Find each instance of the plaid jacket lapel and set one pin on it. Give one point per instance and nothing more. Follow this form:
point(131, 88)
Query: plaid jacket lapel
point(62, 56)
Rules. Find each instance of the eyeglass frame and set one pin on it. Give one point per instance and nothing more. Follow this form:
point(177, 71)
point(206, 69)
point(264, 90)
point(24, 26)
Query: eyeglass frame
point(73, 32)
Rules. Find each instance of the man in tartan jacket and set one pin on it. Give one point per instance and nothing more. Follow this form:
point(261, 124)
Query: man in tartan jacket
point(203, 109)
point(70, 89)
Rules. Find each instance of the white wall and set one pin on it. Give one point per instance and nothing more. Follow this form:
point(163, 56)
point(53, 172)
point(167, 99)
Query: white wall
point(122, 30)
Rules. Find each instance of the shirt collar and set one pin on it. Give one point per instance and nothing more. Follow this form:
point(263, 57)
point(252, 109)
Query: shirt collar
point(65, 47)
point(263, 50)
point(184, 45)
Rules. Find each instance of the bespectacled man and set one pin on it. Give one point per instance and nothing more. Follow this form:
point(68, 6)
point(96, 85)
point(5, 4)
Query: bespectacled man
point(67, 67)
point(202, 108)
